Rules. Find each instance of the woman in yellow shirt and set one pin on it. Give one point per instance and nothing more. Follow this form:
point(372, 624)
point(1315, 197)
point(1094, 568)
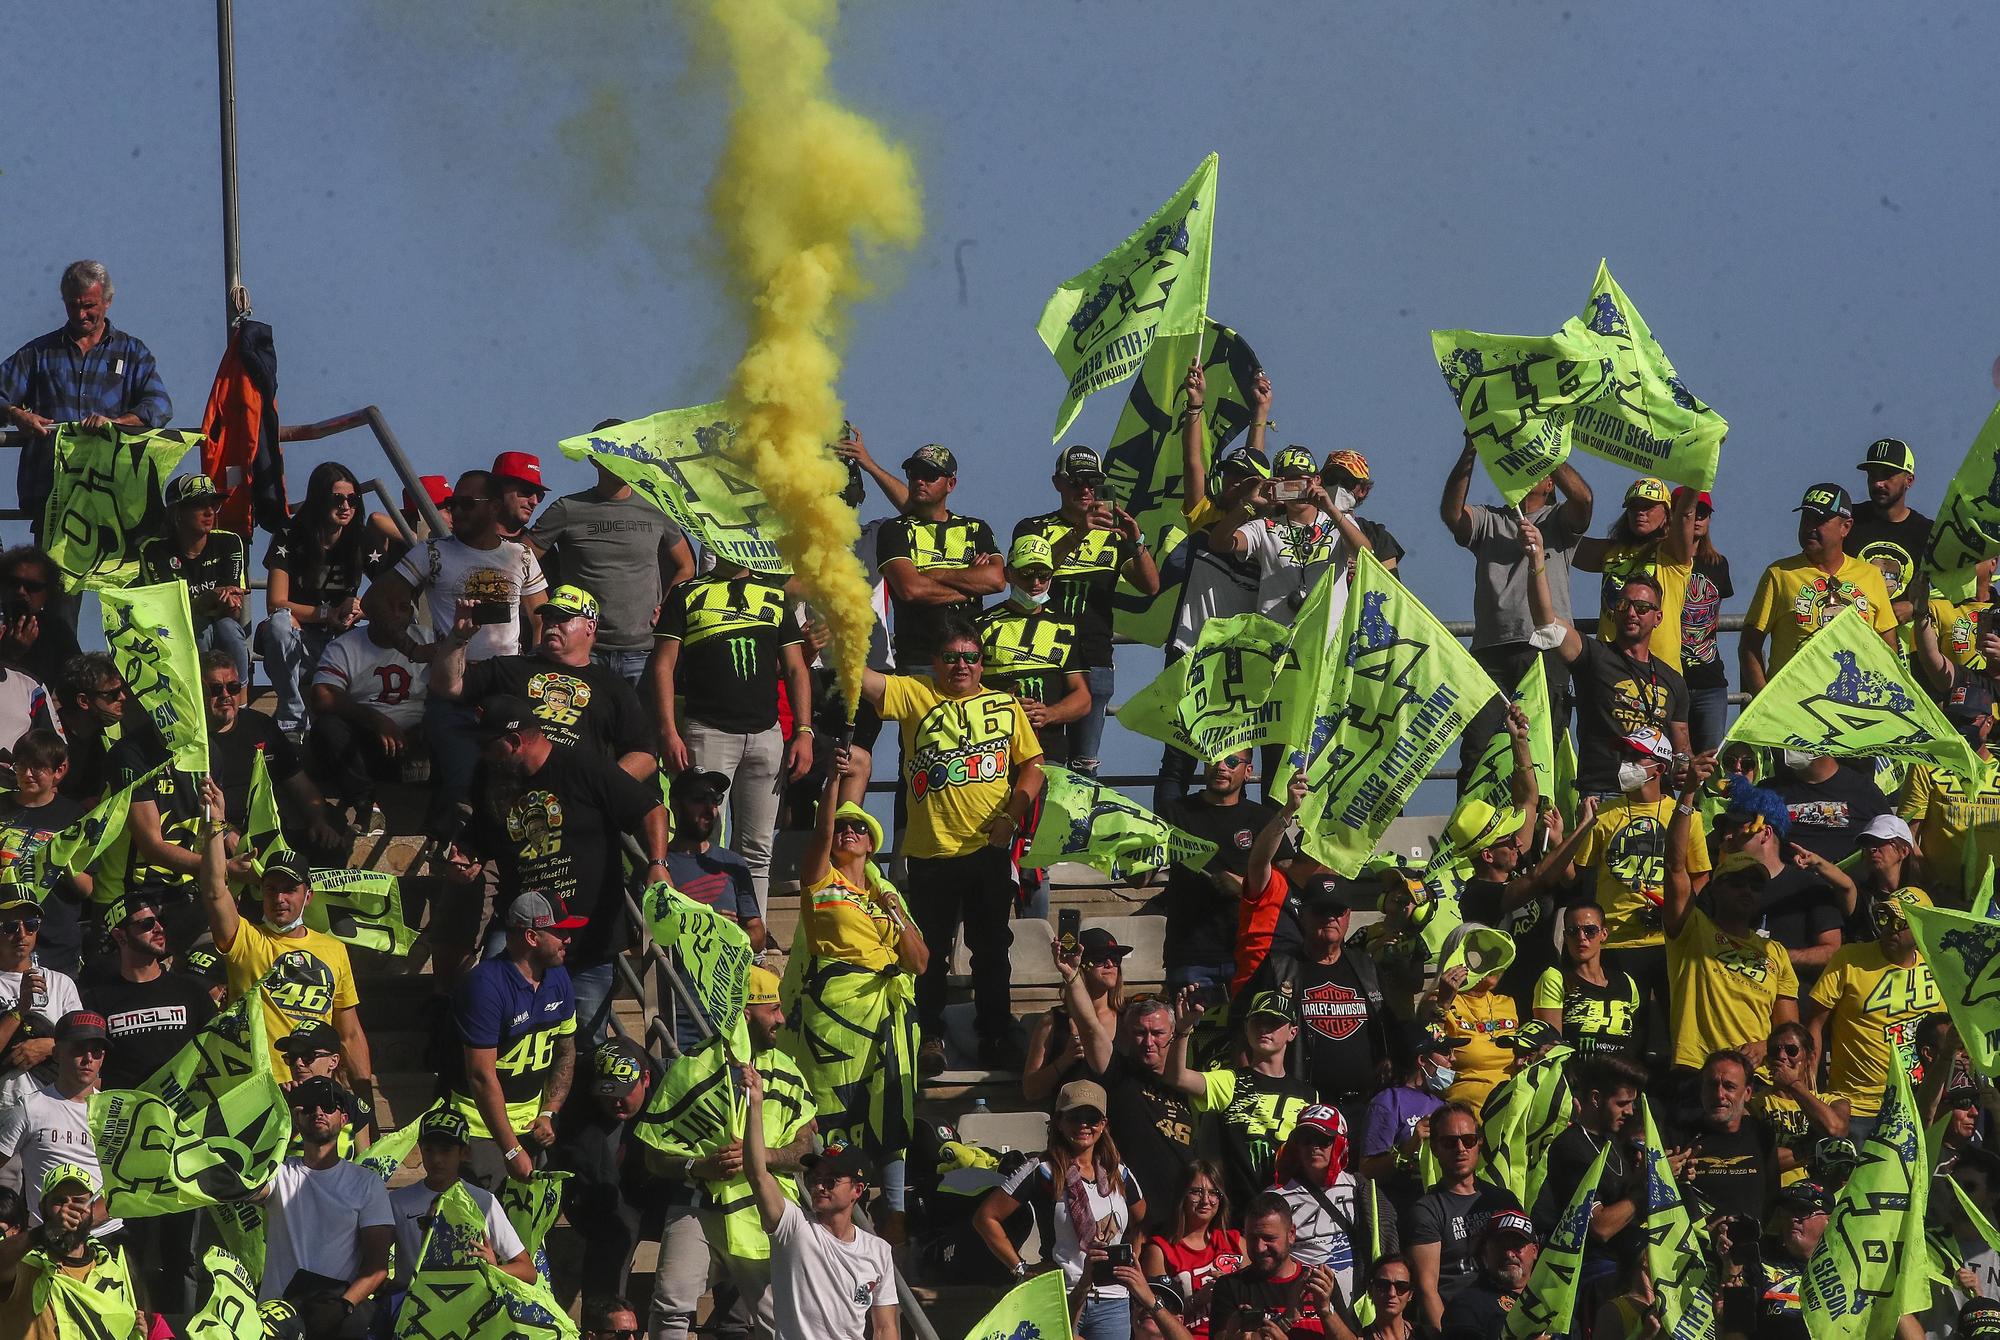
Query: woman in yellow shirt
point(851, 981)
point(1476, 1018)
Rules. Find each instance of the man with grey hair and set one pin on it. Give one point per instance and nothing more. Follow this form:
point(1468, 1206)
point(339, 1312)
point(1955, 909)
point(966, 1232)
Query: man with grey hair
point(85, 371)
point(1152, 1122)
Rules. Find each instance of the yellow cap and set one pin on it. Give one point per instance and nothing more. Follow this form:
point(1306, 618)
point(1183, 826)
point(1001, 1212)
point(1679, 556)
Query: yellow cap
point(763, 987)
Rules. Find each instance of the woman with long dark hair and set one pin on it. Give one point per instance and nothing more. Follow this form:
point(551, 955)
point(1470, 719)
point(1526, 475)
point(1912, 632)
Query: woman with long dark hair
point(1596, 1007)
point(314, 571)
point(1198, 1246)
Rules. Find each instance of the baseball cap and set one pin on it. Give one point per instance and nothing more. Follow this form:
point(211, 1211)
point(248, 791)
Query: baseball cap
point(694, 785)
point(280, 1320)
point(616, 1067)
point(1167, 1290)
point(436, 487)
point(1740, 862)
point(1906, 897)
point(288, 866)
point(522, 467)
point(82, 1026)
point(572, 602)
point(1350, 463)
point(840, 1161)
point(763, 989)
point(933, 456)
point(502, 714)
point(315, 1036)
point(1979, 1317)
point(1082, 1093)
point(192, 488)
point(68, 1172)
point(849, 810)
point(1889, 453)
point(1701, 497)
point(1031, 551)
point(533, 911)
point(1248, 460)
point(1080, 464)
point(1647, 491)
point(1419, 1039)
point(1513, 1223)
point(1885, 828)
point(1806, 1193)
point(1532, 1035)
point(1650, 743)
point(1319, 1117)
point(1096, 942)
point(1294, 462)
point(320, 1091)
point(16, 894)
point(1825, 500)
point(1277, 1004)
point(444, 1123)
point(1970, 699)
point(1324, 894)
point(129, 906)
point(1476, 825)
point(203, 962)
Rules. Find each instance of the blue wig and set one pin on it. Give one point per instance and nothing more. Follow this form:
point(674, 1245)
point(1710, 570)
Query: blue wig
point(1749, 799)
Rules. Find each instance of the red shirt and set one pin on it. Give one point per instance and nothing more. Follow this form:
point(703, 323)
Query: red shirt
point(1194, 1267)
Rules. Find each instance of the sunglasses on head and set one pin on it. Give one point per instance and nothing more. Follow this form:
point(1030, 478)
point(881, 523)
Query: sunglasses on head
point(16, 925)
point(958, 658)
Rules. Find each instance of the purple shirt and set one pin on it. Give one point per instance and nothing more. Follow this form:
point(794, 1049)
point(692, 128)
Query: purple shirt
point(1392, 1114)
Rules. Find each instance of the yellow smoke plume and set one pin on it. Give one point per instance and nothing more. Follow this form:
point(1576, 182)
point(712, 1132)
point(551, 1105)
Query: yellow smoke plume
point(806, 190)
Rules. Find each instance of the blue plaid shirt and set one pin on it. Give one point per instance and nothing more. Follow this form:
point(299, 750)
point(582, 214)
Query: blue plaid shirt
point(48, 376)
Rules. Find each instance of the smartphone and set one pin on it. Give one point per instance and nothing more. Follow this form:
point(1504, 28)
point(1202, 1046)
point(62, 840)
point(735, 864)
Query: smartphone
point(1249, 1319)
point(1119, 1254)
point(1290, 490)
point(1989, 622)
point(492, 611)
point(1068, 922)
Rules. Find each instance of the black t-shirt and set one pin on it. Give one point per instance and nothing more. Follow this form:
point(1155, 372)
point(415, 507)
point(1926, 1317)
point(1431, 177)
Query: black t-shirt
point(1732, 1173)
point(148, 1022)
point(954, 542)
point(1828, 816)
point(327, 576)
point(1798, 907)
point(1282, 1300)
point(732, 632)
point(1339, 1045)
point(222, 562)
point(1615, 696)
point(136, 750)
point(1454, 1222)
point(232, 754)
point(24, 831)
point(1029, 655)
point(1247, 1129)
point(1701, 608)
point(1479, 1311)
point(1154, 1128)
point(1084, 584)
point(1895, 547)
point(55, 642)
point(1381, 543)
point(1603, 1020)
point(577, 705)
point(1624, 1178)
point(557, 832)
point(1201, 917)
point(1529, 925)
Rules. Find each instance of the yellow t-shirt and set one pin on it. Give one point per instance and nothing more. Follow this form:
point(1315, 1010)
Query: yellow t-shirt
point(1629, 561)
point(1958, 630)
point(1476, 1023)
point(1795, 599)
point(1628, 845)
point(849, 925)
point(1787, 1122)
point(959, 756)
point(1875, 1007)
point(1722, 988)
point(315, 980)
point(1945, 811)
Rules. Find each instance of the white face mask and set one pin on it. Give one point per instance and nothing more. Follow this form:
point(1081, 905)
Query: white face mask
point(276, 929)
point(1439, 1078)
point(1797, 760)
point(1345, 500)
point(1026, 598)
point(1632, 777)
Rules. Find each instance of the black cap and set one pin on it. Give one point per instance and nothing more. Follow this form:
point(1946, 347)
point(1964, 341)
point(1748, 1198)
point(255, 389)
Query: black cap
point(1513, 1222)
point(1167, 1289)
point(315, 1036)
point(1891, 454)
point(503, 714)
point(1532, 1035)
point(694, 785)
point(321, 1090)
point(1979, 1317)
point(1096, 942)
point(933, 456)
point(1415, 1039)
point(1080, 465)
point(444, 1123)
point(615, 1067)
point(1245, 460)
point(289, 866)
point(1807, 1194)
point(82, 1026)
point(1277, 1003)
point(129, 906)
point(1825, 500)
point(202, 961)
point(1970, 699)
point(841, 1161)
point(1326, 895)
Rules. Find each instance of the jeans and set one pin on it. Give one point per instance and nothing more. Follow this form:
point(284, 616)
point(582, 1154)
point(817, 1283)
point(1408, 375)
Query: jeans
point(689, 1246)
point(1708, 717)
point(1086, 733)
point(1505, 663)
point(1107, 1318)
point(449, 726)
point(755, 767)
point(225, 634)
point(291, 654)
point(628, 665)
point(977, 888)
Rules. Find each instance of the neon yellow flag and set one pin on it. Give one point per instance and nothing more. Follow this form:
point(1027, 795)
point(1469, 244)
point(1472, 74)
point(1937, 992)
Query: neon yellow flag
point(107, 500)
point(454, 1295)
point(1083, 820)
point(1521, 1118)
point(1549, 1304)
point(363, 908)
point(1963, 953)
point(151, 636)
point(1677, 1247)
point(1515, 393)
point(1143, 468)
point(1844, 695)
point(1100, 323)
point(262, 827)
point(155, 1162)
point(101, 1306)
point(1647, 420)
point(41, 863)
point(1868, 1271)
point(230, 1312)
point(679, 460)
point(1035, 1310)
point(714, 953)
point(1967, 529)
point(1397, 692)
point(532, 1208)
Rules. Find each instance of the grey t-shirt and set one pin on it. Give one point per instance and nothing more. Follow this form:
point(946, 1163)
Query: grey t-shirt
point(612, 550)
point(1500, 587)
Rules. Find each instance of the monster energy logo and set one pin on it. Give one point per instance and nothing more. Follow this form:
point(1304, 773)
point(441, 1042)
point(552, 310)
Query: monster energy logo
point(743, 656)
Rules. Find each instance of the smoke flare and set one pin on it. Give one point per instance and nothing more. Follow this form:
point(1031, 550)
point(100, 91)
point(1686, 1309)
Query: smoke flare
point(805, 189)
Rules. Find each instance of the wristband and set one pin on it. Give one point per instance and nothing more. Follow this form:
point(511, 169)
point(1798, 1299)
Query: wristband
point(548, 1115)
point(802, 730)
point(509, 1155)
point(1683, 809)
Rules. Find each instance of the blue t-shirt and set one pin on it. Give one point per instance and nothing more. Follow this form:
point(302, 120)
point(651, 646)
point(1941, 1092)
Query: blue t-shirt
point(495, 1006)
point(718, 878)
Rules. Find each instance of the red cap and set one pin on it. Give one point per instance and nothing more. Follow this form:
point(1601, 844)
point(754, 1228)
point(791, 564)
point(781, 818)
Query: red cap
point(437, 486)
point(521, 466)
point(1701, 497)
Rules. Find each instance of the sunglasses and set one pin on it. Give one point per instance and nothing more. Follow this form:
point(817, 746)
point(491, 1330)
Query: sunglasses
point(326, 1105)
point(1398, 1288)
point(17, 925)
point(226, 689)
point(627, 1333)
point(1100, 960)
point(28, 584)
point(109, 695)
point(1704, 513)
point(1469, 1141)
point(1584, 932)
point(1636, 607)
point(1964, 1103)
point(925, 474)
point(1789, 1049)
point(1084, 1116)
point(344, 500)
point(143, 925)
point(959, 658)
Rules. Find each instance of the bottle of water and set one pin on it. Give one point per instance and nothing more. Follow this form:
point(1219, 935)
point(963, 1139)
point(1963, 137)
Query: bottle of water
point(979, 1107)
point(40, 997)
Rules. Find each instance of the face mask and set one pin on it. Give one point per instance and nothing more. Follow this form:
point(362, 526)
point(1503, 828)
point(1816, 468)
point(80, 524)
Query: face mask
point(1439, 1078)
point(1797, 760)
point(276, 929)
point(1344, 500)
point(1026, 598)
point(1632, 777)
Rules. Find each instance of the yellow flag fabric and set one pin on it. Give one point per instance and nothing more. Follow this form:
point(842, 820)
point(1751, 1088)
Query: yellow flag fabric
point(1521, 1118)
point(454, 1295)
point(1677, 1246)
point(363, 908)
point(713, 951)
point(263, 829)
point(679, 460)
point(1515, 393)
point(151, 636)
point(532, 1208)
point(230, 1312)
point(100, 1306)
point(1967, 529)
point(108, 500)
point(156, 1162)
point(1868, 1271)
point(1085, 821)
point(1548, 1306)
point(1963, 953)
point(1035, 1310)
point(1101, 323)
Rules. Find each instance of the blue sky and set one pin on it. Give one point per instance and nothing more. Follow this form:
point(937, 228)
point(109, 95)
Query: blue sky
point(488, 219)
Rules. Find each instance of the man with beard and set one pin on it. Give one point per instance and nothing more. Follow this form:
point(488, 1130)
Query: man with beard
point(1275, 1296)
point(330, 1226)
point(714, 876)
point(1888, 532)
point(62, 1245)
point(1607, 1093)
point(1507, 1252)
point(1202, 905)
point(1729, 1158)
point(148, 1012)
point(1796, 1227)
point(612, 1200)
point(1798, 596)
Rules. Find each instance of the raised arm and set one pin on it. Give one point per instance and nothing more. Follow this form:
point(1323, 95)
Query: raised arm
point(1264, 851)
point(1090, 1031)
point(1541, 605)
point(1677, 544)
point(1261, 396)
point(1679, 892)
point(756, 1158)
point(1194, 469)
point(212, 880)
point(1451, 507)
point(817, 859)
point(1187, 1015)
point(851, 447)
point(1930, 656)
point(1577, 500)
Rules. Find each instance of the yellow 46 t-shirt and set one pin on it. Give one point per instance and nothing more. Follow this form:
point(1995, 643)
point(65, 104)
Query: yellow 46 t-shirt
point(1795, 599)
point(315, 980)
point(1723, 988)
point(959, 757)
point(1875, 1007)
point(1628, 845)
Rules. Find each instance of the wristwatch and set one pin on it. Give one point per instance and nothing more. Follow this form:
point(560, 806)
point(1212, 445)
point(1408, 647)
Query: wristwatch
point(1020, 1270)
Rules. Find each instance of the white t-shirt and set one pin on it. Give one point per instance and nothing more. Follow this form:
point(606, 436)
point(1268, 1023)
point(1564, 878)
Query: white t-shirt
point(45, 1129)
point(1290, 557)
point(503, 573)
point(1321, 1239)
point(379, 677)
point(822, 1287)
point(1111, 1216)
point(62, 997)
point(413, 1202)
point(21, 698)
point(1219, 586)
point(314, 1218)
